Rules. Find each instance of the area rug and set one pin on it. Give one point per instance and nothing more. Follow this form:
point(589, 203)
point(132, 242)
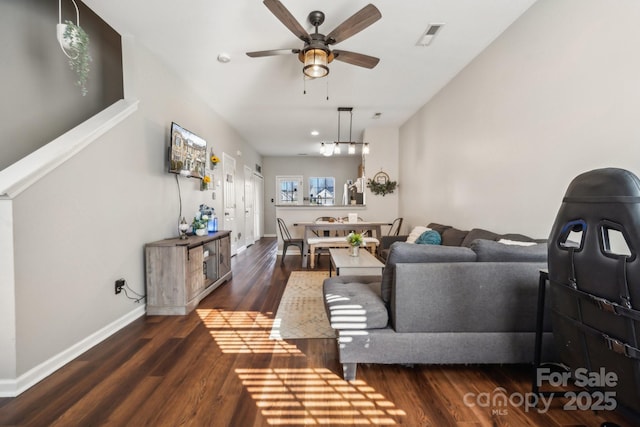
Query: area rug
point(301, 312)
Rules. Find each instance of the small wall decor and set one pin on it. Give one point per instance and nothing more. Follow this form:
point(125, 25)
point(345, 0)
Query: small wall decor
point(205, 183)
point(214, 160)
point(381, 184)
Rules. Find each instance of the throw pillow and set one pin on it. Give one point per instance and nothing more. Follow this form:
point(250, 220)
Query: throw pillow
point(438, 227)
point(478, 233)
point(515, 242)
point(429, 237)
point(453, 237)
point(517, 237)
point(415, 233)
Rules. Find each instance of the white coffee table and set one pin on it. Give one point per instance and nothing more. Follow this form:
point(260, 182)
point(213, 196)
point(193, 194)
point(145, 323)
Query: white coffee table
point(364, 264)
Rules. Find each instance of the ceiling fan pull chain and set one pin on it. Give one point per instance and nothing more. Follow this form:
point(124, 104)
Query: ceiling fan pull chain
point(327, 88)
point(304, 85)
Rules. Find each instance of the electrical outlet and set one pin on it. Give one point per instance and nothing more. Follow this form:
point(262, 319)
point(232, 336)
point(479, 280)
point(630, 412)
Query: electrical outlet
point(119, 285)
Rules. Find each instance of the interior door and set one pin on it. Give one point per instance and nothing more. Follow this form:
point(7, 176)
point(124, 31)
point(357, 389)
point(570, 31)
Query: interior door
point(249, 195)
point(229, 179)
point(258, 203)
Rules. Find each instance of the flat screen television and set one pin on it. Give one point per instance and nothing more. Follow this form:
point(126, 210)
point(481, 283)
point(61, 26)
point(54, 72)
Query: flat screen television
point(187, 153)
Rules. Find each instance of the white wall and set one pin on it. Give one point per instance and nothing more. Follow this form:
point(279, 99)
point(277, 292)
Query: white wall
point(556, 95)
point(85, 224)
point(7, 294)
point(383, 157)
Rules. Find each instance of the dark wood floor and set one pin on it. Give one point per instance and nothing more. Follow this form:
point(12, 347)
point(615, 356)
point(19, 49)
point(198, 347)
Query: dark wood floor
point(217, 367)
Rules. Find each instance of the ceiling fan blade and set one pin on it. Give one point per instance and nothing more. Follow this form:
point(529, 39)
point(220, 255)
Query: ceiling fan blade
point(353, 58)
point(356, 23)
point(274, 52)
point(283, 14)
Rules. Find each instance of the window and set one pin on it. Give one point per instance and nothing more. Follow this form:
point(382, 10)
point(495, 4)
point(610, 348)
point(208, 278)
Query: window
point(322, 190)
point(288, 190)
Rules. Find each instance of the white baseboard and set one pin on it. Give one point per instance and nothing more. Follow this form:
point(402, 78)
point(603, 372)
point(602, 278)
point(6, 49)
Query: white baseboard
point(12, 388)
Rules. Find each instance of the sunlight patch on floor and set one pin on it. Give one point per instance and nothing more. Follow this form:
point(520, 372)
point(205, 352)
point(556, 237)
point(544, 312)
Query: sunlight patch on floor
point(244, 332)
point(309, 396)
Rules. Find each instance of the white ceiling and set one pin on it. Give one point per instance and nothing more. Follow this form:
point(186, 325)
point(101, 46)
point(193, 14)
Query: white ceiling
point(262, 98)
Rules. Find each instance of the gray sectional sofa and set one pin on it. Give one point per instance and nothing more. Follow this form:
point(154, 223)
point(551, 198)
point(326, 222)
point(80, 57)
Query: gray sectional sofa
point(441, 305)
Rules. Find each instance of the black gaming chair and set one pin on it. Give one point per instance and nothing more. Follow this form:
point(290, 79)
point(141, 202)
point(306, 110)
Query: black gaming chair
point(594, 273)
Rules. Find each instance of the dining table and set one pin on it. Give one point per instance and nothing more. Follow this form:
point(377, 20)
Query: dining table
point(367, 227)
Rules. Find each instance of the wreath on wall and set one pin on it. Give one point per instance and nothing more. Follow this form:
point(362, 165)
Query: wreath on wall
point(381, 184)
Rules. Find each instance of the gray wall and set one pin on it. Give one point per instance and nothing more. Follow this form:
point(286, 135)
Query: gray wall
point(341, 168)
point(557, 94)
point(40, 100)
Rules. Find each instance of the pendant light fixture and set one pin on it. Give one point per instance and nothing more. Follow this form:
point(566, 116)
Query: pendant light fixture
point(331, 149)
point(337, 145)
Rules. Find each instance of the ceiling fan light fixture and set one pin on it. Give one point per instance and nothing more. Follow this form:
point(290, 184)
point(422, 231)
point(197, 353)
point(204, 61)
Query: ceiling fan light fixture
point(315, 63)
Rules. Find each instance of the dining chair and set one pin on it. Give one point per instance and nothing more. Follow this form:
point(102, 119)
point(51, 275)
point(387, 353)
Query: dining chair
point(287, 240)
point(346, 220)
point(326, 233)
point(395, 227)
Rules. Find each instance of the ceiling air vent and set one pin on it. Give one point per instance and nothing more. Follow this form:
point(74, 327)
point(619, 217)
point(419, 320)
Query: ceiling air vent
point(429, 34)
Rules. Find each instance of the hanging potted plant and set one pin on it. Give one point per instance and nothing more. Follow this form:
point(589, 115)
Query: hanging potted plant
point(75, 44)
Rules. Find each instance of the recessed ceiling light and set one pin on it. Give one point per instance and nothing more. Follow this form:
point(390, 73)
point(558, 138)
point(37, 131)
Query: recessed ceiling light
point(224, 58)
point(315, 133)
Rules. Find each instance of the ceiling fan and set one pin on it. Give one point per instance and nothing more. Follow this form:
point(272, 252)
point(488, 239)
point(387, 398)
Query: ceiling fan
point(316, 54)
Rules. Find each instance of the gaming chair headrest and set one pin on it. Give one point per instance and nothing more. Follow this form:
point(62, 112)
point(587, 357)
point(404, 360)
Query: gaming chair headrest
point(608, 185)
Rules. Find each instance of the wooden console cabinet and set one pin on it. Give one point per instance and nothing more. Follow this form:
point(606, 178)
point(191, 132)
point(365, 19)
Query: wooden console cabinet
point(180, 273)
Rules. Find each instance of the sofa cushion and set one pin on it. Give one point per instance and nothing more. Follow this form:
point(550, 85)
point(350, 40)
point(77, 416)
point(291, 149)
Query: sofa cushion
point(438, 227)
point(353, 302)
point(429, 237)
point(490, 251)
point(478, 233)
point(466, 297)
point(402, 252)
point(453, 237)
